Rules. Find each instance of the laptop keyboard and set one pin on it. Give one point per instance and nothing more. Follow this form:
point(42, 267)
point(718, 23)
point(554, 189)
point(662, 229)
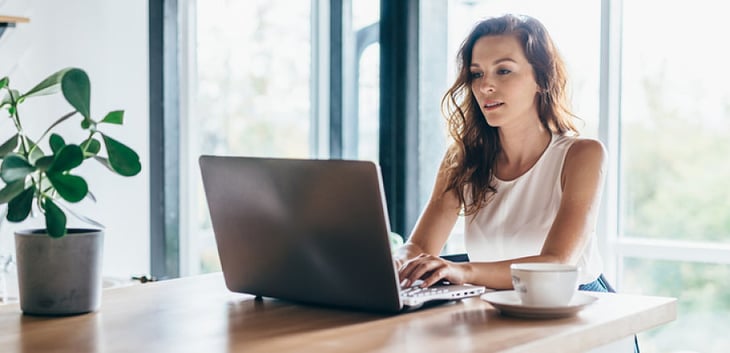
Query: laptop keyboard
point(416, 292)
point(415, 295)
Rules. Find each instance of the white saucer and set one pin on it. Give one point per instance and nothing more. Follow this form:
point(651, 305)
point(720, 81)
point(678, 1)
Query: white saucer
point(509, 303)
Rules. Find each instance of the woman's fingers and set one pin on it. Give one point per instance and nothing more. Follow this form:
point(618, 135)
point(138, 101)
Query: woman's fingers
point(406, 273)
point(434, 277)
point(398, 263)
point(426, 267)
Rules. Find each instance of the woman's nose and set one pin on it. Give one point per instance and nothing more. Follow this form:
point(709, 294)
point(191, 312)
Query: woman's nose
point(486, 85)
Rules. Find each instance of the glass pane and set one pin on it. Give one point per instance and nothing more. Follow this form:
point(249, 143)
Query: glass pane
point(253, 94)
point(365, 16)
point(369, 105)
point(675, 121)
point(703, 291)
point(444, 27)
point(365, 13)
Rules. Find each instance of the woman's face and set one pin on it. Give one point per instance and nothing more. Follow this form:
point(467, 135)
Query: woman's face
point(503, 81)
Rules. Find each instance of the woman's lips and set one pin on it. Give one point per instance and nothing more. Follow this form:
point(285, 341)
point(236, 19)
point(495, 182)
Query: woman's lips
point(492, 105)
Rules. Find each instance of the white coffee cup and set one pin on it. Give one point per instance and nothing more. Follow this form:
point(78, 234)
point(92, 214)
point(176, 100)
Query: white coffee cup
point(545, 284)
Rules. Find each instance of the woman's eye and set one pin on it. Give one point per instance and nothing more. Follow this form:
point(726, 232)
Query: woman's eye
point(503, 71)
point(475, 75)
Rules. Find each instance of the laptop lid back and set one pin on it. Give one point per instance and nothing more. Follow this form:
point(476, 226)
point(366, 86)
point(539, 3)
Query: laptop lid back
point(313, 231)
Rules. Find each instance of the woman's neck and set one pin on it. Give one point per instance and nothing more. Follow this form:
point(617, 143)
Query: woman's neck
point(521, 149)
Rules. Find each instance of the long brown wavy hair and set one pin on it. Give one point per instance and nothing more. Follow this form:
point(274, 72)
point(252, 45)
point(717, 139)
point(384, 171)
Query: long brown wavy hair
point(470, 159)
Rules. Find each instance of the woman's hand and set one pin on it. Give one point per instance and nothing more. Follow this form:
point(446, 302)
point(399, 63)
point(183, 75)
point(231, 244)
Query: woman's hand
point(402, 254)
point(431, 269)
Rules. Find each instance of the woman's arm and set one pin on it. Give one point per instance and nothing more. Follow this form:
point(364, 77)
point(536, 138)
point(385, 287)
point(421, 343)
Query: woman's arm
point(582, 182)
point(434, 225)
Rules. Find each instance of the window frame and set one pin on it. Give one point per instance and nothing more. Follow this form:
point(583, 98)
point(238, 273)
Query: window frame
point(614, 244)
point(164, 134)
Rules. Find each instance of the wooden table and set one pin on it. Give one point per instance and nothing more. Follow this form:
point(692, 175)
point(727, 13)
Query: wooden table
point(198, 314)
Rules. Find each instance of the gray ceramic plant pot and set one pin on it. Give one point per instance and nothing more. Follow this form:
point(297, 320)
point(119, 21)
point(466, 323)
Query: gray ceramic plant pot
point(59, 276)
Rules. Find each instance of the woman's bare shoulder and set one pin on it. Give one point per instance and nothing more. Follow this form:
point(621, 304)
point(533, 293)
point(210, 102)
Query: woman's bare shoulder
point(586, 149)
point(585, 160)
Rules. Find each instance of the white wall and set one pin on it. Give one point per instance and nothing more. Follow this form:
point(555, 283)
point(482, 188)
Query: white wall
point(108, 39)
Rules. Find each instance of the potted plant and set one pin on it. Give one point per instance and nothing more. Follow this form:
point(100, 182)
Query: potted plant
point(59, 268)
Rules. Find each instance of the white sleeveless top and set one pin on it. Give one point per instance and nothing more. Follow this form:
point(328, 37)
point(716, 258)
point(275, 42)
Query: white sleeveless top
point(517, 219)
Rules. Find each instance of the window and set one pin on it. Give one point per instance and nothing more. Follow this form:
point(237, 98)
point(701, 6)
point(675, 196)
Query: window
point(252, 97)
point(369, 104)
point(704, 293)
point(253, 83)
point(366, 36)
point(674, 196)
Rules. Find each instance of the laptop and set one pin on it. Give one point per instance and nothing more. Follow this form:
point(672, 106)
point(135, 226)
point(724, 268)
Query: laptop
point(309, 231)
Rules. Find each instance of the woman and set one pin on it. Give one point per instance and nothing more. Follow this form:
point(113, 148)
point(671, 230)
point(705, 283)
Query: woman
point(528, 186)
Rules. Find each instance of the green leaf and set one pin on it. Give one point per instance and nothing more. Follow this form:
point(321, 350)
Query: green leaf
point(115, 117)
point(44, 163)
point(35, 153)
point(9, 146)
point(55, 219)
point(69, 157)
point(105, 162)
point(19, 207)
point(71, 187)
point(7, 98)
point(4, 82)
point(122, 159)
point(77, 91)
point(55, 123)
point(91, 197)
point(81, 217)
point(91, 147)
point(56, 142)
point(15, 167)
point(48, 86)
point(10, 191)
point(86, 124)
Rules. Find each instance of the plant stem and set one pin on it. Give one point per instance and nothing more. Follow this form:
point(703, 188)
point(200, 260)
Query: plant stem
point(16, 119)
point(68, 115)
point(86, 144)
point(39, 189)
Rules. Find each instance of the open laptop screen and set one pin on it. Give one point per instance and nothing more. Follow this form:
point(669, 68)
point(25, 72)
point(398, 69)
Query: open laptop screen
point(314, 231)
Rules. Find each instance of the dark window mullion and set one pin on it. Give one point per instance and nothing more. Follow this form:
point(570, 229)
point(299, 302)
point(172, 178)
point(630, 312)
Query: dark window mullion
point(336, 85)
point(399, 110)
point(164, 139)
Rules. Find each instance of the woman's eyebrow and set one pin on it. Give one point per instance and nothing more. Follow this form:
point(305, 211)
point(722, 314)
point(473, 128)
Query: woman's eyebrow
point(495, 62)
point(503, 60)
